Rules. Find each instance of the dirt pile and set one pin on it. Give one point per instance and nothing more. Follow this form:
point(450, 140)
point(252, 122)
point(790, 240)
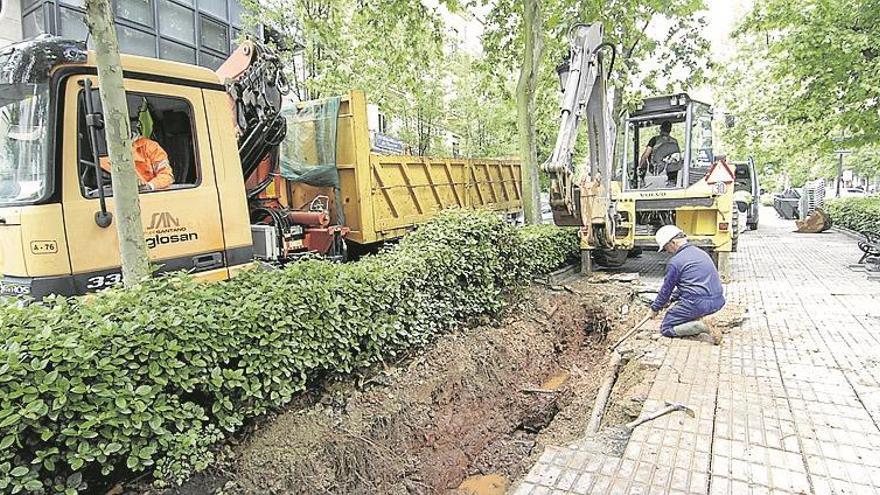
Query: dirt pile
point(475, 406)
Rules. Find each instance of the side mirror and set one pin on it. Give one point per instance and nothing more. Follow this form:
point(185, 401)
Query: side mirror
point(95, 122)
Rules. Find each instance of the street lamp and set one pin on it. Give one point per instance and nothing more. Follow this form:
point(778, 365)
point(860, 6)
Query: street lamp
point(562, 70)
point(840, 153)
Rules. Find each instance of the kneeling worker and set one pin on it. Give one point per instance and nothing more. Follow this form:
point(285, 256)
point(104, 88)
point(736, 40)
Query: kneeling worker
point(692, 278)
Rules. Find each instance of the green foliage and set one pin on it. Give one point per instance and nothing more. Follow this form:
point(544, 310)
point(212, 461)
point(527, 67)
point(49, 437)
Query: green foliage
point(151, 377)
point(641, 62)
point(391, 49)
point(824, 58)
point(859, 214)
point(482, 110)
point(550, 247)
point(806, 83)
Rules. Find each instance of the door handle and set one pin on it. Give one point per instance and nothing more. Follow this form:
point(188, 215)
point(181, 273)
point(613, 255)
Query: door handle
point(207, 261)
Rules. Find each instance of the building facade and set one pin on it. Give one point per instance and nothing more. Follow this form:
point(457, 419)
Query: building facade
point(10, 22)
point(201, 32)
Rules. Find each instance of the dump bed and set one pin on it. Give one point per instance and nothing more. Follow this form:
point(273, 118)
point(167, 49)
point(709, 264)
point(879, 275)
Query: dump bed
point(384, 196)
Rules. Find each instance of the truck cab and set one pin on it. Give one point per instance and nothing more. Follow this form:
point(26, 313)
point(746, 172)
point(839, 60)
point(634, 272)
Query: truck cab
point(50, 241)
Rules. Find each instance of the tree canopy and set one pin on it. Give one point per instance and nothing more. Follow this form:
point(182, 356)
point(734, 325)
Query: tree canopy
point(395, 50)
point(806, 82)
point(401, 54)
point(644, 65)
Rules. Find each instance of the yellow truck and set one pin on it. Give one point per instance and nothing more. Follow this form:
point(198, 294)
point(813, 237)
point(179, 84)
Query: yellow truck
point(384, 196)
point(228, 203)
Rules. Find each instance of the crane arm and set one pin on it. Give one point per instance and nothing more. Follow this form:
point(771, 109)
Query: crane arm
point(584, 96)
point(255, 82)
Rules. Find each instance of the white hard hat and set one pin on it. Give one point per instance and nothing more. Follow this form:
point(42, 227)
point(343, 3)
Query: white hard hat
point(665, 234)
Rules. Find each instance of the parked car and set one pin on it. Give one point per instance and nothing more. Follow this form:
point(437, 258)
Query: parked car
point(852, 192)
point(746, 192)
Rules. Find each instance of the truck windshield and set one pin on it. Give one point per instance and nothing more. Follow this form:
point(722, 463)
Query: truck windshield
point(23, 126)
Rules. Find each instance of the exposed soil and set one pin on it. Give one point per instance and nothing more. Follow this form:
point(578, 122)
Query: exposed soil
point(467, 415)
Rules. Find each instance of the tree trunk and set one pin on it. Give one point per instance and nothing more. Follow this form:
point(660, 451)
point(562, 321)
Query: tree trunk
point(132, 246)
point(525, 109)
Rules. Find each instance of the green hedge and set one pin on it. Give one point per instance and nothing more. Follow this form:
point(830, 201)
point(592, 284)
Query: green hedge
point(549, 247)
point(151, 377)
point(859, 214)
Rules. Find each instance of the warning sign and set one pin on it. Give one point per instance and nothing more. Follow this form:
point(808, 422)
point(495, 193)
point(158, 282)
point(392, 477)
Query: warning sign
point(720, 172)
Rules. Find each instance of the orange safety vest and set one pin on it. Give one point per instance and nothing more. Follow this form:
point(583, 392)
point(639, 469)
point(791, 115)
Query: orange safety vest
point(150, 163)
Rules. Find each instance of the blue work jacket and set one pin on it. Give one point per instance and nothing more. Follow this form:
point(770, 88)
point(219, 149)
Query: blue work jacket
point(691, 271)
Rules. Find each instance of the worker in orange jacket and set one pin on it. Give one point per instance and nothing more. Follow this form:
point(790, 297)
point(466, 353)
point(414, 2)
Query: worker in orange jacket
point(150, 161)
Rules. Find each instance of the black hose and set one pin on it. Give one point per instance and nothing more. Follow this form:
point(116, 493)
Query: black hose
point(253, 193)
point(608, 44)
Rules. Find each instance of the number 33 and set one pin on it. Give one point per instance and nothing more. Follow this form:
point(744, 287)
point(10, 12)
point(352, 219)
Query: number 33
point(101, 281)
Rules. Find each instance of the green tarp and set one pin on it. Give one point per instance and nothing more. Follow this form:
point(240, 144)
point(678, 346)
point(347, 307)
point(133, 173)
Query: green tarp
point(308, 154)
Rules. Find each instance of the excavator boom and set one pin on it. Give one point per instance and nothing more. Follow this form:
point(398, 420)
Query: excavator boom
point(584, 96)
point(614, 218)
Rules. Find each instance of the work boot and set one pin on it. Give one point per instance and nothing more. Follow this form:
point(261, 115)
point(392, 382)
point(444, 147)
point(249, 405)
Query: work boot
point(707, 338)
point(698, 331)
point(690, 328)
point(714, 331)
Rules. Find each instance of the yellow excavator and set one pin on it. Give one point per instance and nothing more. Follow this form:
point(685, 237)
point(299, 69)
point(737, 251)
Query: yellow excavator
point(670, 179)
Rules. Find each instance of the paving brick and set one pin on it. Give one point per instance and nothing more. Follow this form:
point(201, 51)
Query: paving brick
point(583, 484)
point(567, 479)
point(788, 404)
point(524, 488)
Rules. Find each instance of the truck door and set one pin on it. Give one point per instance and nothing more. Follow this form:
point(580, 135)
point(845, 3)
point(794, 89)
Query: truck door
point(181, 221)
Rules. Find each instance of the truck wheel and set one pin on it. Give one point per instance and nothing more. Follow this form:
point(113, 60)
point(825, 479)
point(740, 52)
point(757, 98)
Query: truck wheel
point(753, 226)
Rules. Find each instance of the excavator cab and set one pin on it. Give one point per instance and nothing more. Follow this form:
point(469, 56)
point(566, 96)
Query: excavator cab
point(678, 159)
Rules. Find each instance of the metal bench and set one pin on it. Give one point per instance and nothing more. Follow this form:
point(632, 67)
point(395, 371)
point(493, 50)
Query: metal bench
point(870, 246)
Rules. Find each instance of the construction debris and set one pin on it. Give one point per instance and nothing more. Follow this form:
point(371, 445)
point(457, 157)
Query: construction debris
point(817, 222)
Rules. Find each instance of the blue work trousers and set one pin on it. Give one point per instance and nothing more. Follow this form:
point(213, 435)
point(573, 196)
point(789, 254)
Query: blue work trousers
point(689, 310)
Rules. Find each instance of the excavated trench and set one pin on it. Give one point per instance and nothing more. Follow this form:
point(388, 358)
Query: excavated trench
point(467, 415)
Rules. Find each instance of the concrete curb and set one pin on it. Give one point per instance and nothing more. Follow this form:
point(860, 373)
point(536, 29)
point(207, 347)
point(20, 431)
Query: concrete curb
point(843, 230)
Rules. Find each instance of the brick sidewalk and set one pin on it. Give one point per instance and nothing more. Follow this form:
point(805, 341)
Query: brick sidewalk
point(788, 404)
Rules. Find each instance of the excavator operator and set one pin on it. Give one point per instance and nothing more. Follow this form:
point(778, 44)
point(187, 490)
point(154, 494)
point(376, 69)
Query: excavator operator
point(150, 161)
point(662, 152)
